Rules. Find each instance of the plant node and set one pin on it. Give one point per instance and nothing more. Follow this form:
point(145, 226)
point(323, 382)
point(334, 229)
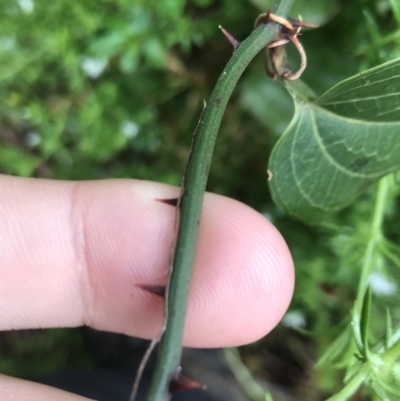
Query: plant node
point(275, 53)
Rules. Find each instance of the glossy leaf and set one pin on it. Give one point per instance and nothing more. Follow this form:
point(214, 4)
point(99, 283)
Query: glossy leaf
point(339, 144)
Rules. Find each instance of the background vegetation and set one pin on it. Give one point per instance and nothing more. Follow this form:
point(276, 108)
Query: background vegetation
point(101, 89)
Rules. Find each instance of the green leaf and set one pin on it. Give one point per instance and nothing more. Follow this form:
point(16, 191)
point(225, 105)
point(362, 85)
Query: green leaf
point(268, 396)
point(336, 350)
point(370, 96)
point(365, 316)
point(17, 161)
point(393, 390)
point(337, 145)
point(389, 329)
point(379, 391)
point(396, 10)
point(395, 337)
point(356, 325)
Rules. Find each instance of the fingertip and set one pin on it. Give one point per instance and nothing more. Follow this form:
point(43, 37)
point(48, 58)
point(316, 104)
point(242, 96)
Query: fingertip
point(244, 268)
point(243, 274)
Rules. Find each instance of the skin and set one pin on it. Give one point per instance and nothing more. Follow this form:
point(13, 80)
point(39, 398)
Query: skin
point(72, 252)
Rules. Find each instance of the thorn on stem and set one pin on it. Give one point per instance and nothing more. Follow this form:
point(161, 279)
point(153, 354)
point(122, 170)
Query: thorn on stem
point(234, 42)
point(171, 201)
point(179, 382)
point(263, 19)
point(158, 290)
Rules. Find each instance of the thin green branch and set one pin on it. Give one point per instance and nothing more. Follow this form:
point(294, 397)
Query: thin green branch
point(352, 385)
point(193, 188)
point(253, 390)
point(375, 238)
point(369, 265)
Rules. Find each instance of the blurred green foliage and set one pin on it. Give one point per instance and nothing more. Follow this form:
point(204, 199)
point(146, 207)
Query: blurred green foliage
point(101, 89)
point(37, 352)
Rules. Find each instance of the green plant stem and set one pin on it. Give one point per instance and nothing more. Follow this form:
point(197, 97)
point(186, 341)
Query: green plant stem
point(193, 189)
point(253, 390)
point(389, 356)
point(369, 265)
point(351, 387)
point(374, 239)
point(381, 42)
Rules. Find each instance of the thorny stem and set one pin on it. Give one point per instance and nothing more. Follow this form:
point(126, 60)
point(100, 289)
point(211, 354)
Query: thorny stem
point(193, 189)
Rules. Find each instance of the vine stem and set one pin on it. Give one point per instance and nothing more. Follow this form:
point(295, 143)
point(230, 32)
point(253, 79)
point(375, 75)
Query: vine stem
point(352, 386)
point(190, 205)
point(368, 267)
point(369, 264)
point(253, 390)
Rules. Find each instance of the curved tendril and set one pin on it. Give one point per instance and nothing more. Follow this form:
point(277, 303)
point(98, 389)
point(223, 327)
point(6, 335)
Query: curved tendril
point(289, 32)
point(303, 59)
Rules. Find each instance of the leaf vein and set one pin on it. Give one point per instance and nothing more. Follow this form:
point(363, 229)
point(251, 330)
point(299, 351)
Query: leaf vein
point(361, 99)
point(329, 158)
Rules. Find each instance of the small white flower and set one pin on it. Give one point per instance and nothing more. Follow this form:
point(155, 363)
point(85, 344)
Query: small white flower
point(93, 67)
point(294, 319)
point(129, 129)
point(26, 6)
point(380, 284)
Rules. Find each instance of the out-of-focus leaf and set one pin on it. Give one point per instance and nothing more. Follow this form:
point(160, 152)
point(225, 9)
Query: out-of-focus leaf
point(315, 12)
point(339, 144)
point(108, 45)
point(337, 350)
point(389, 329)
point(268, 396)
point(396, 9)
point(155, 53)
point(203, 3)
point(15, 161)
point(256, 92)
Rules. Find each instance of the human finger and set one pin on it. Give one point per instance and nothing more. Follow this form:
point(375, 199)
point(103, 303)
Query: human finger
point(73, 253)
